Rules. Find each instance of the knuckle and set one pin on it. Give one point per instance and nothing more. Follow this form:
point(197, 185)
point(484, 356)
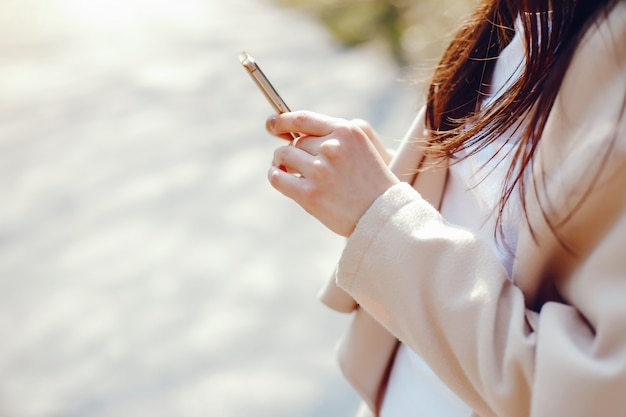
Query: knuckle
point(331, 149)
point(280, 154)
point(321, 171)
point(361, 124)
point(350, 131)
point(364, 126)
point(300, 119)
point(344, 130)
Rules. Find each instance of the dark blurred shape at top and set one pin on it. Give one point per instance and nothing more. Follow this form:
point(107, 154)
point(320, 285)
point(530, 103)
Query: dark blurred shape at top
point(414, 31)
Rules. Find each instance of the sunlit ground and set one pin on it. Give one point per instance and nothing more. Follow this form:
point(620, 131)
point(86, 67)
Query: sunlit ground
point(146, 266)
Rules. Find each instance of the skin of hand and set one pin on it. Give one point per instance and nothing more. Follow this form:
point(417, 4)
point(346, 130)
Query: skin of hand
point(334, 171)
point(374, 138)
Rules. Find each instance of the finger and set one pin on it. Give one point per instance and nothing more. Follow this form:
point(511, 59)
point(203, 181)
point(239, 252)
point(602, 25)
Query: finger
point(374, 138)
point(309, 144)
point(285, 136)
point(303, 122)
point(294, 160)
point(366, 127)
point(288, 184)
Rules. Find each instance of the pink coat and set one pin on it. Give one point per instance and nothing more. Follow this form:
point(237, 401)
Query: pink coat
point(551, 342)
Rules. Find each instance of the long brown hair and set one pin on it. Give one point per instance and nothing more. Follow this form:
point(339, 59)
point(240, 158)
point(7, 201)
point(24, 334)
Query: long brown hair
point(454, 115)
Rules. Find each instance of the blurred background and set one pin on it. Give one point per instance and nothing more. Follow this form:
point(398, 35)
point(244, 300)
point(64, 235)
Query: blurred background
point(147, 268)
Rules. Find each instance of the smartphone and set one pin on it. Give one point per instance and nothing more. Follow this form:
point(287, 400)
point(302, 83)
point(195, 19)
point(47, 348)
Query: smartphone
point(265, 85)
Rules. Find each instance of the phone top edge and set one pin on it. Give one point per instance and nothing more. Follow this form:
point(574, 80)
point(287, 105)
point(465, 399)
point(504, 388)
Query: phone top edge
point(264, 84)
point(247, 61)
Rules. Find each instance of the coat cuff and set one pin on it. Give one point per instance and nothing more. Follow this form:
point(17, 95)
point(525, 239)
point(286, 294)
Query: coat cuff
point(371, 223)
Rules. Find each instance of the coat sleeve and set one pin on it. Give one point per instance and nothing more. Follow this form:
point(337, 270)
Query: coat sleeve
point(443, 293)
point(441, 290)
point(408, 156)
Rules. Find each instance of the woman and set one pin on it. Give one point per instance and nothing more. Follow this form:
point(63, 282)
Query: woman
point(513, 301)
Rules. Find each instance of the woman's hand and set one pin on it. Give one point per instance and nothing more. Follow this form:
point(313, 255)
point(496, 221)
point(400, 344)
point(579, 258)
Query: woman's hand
point(374, 138)
point(333, 170)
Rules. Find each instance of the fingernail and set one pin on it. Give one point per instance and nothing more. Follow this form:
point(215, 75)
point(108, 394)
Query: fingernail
point(271, 122)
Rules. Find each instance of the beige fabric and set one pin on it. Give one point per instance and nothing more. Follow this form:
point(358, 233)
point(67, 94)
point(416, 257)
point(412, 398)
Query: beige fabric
point(361, 364)
point(554, 342)
point(404, 165)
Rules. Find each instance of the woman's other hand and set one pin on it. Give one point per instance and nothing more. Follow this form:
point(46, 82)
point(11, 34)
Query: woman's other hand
point(334, 171)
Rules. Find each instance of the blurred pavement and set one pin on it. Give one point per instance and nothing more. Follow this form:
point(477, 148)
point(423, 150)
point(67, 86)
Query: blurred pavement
point(147, 268)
